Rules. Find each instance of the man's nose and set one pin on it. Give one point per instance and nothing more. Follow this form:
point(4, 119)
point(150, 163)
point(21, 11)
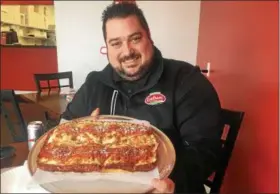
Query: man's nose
point(127, 49)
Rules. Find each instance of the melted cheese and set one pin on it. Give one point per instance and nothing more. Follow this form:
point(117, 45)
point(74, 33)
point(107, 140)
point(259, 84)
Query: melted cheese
point(149, 161)
point(108, 140)
point(152, 159)
point(73, 161)
point(48, 161)
point(94, 138)
point(111, 161)
point(138, 141)
point(133, 141)
point(79, 140)
point(52, 137)
point(141, 162)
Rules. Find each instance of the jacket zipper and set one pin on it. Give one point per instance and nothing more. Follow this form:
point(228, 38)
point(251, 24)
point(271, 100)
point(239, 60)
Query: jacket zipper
point(113, 102)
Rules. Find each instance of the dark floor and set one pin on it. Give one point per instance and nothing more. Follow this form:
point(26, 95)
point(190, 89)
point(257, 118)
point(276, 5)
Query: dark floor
point(30, 112)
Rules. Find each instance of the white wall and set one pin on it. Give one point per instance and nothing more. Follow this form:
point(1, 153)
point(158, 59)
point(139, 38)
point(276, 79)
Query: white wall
point(173, 24)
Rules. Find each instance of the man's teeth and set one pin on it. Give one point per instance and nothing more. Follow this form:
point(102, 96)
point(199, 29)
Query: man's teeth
point(131, 60)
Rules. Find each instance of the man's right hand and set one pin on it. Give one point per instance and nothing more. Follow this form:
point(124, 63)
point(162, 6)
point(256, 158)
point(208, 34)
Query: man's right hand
point(95, 113)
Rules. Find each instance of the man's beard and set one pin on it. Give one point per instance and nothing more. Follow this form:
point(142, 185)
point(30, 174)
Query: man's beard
point(132, 77)
point(142, 72)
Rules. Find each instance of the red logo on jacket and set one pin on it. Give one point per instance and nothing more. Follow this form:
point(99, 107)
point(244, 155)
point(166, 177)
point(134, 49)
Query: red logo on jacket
point(155, 98)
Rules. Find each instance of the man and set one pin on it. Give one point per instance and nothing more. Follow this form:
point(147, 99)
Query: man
point(172, 95)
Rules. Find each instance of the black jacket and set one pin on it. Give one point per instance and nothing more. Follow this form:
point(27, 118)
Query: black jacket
point(188, 112)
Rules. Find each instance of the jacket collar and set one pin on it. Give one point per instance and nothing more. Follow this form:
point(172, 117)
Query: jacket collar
point(107, 74)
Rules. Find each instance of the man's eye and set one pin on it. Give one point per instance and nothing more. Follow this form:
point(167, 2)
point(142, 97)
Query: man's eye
point(136, 39)
point(116, 44)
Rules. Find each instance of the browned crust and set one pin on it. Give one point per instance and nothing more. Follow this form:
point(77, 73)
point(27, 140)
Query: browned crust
point(97, 168)
point(69, 168)
point(132, 168)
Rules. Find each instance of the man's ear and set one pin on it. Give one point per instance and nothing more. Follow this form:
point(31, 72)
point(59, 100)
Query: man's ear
point(151, 41)
point(149, 36)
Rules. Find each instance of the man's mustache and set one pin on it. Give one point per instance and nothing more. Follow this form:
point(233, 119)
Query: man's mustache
point(129, 57)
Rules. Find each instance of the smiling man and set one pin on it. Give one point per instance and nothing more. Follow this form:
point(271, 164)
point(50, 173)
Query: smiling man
point(130, 51)
point(172, 95)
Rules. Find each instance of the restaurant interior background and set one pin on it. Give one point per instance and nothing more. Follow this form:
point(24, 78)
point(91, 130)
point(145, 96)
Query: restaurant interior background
point(27, 25)
point(239, 39)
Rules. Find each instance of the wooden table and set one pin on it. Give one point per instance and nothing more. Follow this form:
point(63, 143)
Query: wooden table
point(54, 102)
point(20, 156)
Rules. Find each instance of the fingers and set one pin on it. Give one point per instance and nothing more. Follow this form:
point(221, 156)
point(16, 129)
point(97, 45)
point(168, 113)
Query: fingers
point(163, 186)
point(95, 113)
point(154, 191)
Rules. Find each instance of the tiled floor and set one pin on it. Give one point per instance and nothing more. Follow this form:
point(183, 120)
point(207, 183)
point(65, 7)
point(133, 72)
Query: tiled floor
point(30, 112)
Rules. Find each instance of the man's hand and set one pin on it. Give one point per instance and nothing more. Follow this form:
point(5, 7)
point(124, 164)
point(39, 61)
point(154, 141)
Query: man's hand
point(163, 186)
point(95, 113)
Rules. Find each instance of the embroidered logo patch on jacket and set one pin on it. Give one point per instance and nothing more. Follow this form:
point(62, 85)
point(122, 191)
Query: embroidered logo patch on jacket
point(155, 98)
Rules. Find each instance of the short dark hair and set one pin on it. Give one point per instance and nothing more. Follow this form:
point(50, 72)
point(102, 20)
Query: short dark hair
point(123, 10)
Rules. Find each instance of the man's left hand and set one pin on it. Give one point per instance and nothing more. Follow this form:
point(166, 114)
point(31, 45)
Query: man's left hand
point(163, 186)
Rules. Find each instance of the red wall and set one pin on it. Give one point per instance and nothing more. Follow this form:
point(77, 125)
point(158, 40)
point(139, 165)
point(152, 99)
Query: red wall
point(25, 2)
point(240, 39)
point(18, 64)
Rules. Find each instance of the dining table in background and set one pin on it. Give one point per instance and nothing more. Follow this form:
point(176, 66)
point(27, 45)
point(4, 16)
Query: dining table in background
point(55, 102)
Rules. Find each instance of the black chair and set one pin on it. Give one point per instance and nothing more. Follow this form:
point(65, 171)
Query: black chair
point(53, 76)
point(51, 121)
point(231, 122)
point(13, 115)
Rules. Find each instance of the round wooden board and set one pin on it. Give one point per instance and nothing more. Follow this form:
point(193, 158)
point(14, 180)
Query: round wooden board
point(166, 157)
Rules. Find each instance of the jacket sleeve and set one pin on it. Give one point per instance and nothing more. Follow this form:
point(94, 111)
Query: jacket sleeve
point(198, 118)
point(78, 107)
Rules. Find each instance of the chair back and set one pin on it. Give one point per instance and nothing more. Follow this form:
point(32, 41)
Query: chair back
point(13, 115)
point(231, 122)
point(53, 77)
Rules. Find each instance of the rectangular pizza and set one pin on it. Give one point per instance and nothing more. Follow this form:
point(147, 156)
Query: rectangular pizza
point(96, 145)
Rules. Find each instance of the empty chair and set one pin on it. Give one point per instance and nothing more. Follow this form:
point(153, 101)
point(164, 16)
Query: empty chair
point(50, 79)
point(11, 111)
point(231, 122)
